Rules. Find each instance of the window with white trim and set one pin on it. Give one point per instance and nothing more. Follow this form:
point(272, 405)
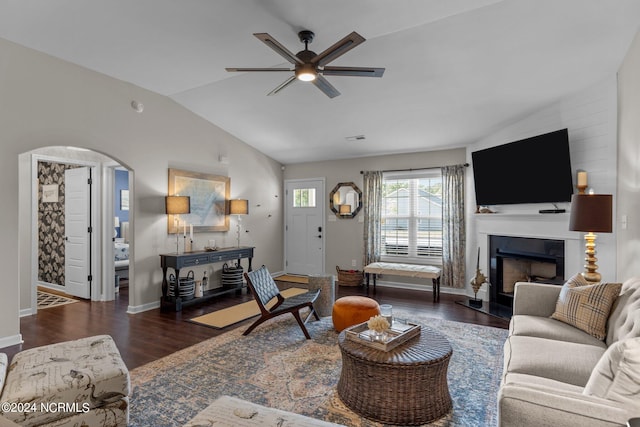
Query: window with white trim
point(412, 216)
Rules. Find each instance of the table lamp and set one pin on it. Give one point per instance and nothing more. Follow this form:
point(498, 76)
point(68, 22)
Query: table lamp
point(591, 213)
point(177, 205)
point(238, 207)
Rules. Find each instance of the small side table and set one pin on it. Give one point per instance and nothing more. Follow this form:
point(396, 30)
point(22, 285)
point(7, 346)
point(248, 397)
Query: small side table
point(326, 284)
point(407, 385)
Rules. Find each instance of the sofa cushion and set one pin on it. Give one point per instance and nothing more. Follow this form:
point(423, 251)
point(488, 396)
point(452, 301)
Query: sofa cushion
point(545, 327)
point(624, 320)
point(615, 377)
point(558, 360)
point(586, 307)
point(539, 382)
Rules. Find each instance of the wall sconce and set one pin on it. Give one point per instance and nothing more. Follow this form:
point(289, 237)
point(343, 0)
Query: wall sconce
point(238, 207)
point(176, 206)
point(591, 213)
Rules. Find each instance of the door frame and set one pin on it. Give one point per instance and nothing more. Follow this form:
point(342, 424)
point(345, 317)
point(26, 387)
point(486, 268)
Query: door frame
point(95, 218)
point(323, 214)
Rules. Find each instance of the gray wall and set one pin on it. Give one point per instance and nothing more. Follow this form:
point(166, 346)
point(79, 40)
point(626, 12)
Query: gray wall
point(344, 236)
point(628, 203)
point(48, 102)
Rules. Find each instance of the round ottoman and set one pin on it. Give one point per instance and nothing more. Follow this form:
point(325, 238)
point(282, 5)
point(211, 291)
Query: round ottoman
point(351, 310)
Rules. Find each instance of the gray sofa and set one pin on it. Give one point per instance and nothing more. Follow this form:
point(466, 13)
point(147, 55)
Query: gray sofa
point(557, 375)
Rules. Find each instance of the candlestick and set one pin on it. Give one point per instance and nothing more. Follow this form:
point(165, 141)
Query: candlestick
point(191, 232)
point(184, 228)
point(582, 182)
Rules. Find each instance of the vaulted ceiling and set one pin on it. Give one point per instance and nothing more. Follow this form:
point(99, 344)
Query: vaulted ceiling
point(456, 70)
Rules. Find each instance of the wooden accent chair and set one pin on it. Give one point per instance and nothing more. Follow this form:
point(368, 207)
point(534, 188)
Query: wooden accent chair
point(264, 289)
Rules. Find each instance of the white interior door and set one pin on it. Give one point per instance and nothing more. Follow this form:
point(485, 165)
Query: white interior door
point(304, 228)
point(76, 228)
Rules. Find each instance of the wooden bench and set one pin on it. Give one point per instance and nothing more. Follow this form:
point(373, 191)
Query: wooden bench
point(409, 270)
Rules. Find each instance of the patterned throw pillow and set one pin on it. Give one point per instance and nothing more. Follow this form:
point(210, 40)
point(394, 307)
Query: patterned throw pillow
point(586, 306)
point(615, 376)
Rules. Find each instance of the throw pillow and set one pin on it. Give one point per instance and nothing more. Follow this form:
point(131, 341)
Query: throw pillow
point(615, 376)
point(586, 306)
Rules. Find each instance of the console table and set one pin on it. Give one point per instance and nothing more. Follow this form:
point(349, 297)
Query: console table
point(190, 259)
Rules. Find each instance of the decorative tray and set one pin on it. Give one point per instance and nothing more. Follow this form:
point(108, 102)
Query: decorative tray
point(399, 333)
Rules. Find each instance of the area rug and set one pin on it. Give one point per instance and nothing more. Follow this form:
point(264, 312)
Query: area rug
point(291, 278)
point(47, 300)
point(275, 366)
point(228, 316)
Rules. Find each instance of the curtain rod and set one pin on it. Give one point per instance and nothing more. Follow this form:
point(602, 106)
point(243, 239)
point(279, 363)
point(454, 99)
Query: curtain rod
point(417, 169)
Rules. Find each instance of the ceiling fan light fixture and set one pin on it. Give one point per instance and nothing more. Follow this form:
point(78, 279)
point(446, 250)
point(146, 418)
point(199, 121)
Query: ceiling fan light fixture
point(306, 73)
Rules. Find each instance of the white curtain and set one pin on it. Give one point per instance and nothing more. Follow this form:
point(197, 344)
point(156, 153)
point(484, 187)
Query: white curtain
point(372, 198)
point(453, 227)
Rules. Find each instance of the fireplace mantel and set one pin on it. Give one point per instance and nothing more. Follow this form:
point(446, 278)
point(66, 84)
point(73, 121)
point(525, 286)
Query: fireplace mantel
point(534, 225)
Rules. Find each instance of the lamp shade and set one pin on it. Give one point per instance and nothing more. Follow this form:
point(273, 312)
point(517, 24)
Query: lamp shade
point(239, 207)
point(176, 205)
point(345, 209)
point(591, 213)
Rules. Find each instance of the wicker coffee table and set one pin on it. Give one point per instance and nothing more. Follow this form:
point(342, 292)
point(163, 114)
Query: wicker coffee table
point(407, 385)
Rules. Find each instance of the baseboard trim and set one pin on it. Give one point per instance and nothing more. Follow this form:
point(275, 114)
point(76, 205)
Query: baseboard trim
point(11, 340)
point(27, 312)
point(135, 309)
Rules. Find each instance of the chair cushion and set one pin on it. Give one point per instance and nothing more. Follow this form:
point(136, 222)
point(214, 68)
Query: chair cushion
point(586, 306)
point(88, 373)
point(615, 377)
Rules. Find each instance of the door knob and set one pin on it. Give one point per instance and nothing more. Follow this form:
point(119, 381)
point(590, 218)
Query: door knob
point(319, 236)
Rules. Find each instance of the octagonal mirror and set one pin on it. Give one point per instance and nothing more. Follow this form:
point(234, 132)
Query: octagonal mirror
point(345, 200)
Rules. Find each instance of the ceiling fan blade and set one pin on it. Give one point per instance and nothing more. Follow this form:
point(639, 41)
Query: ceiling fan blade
point(280, 49)
point(257, 69)
point(353, 71)
point(339, 48)
point(282, 85)
point(324, 85)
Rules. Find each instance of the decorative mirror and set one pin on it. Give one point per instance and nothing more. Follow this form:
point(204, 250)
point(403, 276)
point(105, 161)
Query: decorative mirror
point(345, 200)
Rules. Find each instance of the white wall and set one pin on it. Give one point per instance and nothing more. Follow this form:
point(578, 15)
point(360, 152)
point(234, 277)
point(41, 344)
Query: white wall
point(590, 117)
point(47, 102)
point(628, 203)
point(344, 236)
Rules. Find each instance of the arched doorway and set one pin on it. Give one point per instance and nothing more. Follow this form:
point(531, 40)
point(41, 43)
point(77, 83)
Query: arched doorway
point(42, 264)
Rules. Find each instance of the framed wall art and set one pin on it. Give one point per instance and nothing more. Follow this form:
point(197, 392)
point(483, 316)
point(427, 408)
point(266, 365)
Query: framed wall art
point(50, 193)
point(209, 195)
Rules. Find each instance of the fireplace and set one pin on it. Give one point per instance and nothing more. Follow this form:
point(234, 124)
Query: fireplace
point(522, 259)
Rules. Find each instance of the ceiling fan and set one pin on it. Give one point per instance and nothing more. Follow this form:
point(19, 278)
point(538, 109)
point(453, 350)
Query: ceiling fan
point(312, 67)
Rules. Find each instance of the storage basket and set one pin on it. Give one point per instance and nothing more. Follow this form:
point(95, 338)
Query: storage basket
point(187, 286)
point(349, 277)
point(232, 276)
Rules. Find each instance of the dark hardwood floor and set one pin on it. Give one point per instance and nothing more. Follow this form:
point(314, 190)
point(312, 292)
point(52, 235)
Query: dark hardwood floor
point(144, 337)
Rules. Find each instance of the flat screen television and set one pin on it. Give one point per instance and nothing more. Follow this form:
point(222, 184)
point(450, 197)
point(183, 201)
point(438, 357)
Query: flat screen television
point(532, 170)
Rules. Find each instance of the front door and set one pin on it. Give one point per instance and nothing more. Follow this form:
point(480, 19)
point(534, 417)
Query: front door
point(76, 229)
point(304, 228)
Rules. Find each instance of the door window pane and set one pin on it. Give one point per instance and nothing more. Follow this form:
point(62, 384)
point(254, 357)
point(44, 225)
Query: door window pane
point(304, 198)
